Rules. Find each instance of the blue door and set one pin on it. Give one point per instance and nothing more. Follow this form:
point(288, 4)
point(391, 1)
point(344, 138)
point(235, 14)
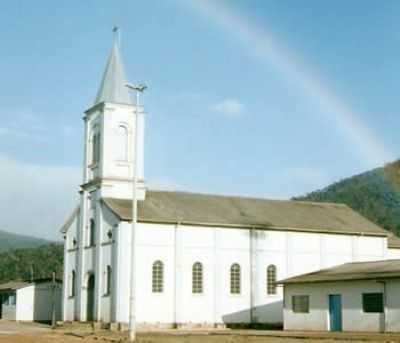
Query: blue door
point(335, 312)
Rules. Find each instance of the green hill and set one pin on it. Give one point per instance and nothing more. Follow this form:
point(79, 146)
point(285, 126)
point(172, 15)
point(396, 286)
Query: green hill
point(39, 262)
point(9, 241)
point(375, 194)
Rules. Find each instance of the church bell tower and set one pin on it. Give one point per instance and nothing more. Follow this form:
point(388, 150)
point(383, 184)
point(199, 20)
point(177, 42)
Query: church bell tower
point(113, 127)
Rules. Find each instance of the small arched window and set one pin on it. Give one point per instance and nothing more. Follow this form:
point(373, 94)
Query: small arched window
point(197, 278)
point(95, 148)
point(271, 279)
point(98, 148)
point(235, 279)
point(92, 233)
point(158, 277)
point(94, 138)
point(121, 144)
point(72, 286)
point(107, 288)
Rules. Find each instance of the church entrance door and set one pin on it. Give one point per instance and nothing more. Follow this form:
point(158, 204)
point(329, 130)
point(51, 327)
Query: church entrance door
point(90, 299)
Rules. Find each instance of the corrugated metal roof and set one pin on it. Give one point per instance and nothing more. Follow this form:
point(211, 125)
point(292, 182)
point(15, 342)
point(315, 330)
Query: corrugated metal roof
point(351, 271)
point(17, 284)
point(13, 285)
point(70, 219)
point(113, 85)
point(216, 210)
point(393, 241)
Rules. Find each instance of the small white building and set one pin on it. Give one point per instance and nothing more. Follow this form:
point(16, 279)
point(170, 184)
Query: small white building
point(358, 296)
point(30, 301)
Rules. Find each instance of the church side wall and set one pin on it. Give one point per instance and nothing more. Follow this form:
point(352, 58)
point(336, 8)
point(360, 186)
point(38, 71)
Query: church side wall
point(179, 247)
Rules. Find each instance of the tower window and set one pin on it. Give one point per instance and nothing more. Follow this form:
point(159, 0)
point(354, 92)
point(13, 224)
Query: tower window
point(72, 285)
point(158, 277)
point(235, 279)
point(197, 278)
point(92, 233)
point(271, 279)
point(107, 289)
point(95, 148)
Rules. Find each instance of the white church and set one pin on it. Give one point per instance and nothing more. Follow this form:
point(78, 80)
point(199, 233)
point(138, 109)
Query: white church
point(201, 259)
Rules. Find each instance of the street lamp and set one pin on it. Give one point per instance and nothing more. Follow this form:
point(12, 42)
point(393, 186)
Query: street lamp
point(132, 293)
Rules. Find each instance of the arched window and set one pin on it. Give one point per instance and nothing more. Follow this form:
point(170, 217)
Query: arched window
point(95, 148)
point(271, 279)
point(93, 142)
point(92, 233)
point(235, 279)
point(107, 288)
point(197, 278)
point(158, 277)
point(121, 144)
point(72, 284)
point(98, 148)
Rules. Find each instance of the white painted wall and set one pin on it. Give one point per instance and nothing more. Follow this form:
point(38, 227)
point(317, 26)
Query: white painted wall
point(393, 305)
point(71, 263)
point(217, 249)
point(178, 247)
point(115, 170)
point(354, 319)
point(34, 302)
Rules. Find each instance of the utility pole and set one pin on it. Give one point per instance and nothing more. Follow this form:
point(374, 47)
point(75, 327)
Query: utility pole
point(132, 294)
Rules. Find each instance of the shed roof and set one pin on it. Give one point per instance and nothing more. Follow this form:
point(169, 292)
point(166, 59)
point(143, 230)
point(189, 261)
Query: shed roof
point(350, 271)
point(13, 285)
point(231, 211)
point(393, 241)
point(18, 284)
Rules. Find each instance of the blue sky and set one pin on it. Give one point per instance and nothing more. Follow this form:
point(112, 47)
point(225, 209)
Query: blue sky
point(266, 98)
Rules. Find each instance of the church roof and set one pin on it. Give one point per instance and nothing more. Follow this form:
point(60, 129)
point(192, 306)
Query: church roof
point(393, 241)
point(70, 219)
point(230, 211)
point(113, 85)
point(350, 271)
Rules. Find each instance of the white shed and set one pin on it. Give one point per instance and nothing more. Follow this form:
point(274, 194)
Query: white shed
point(361, 296)
point(30, 301)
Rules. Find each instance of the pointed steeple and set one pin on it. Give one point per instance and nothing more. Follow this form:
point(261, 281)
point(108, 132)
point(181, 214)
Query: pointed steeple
point(113, 85)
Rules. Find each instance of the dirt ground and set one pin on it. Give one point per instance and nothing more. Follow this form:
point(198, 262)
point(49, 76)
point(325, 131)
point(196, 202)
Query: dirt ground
point(11, 332)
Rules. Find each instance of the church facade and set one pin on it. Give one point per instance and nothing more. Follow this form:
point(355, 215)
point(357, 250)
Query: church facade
point(200, 259)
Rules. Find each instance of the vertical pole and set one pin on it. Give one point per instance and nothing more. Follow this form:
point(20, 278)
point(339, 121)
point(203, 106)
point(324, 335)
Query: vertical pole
point(53, 302)
point(252, 272)
point(132, 300)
